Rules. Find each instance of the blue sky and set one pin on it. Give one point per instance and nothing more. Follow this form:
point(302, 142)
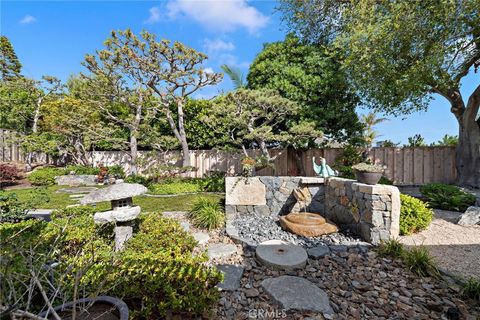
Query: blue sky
point(52, 37)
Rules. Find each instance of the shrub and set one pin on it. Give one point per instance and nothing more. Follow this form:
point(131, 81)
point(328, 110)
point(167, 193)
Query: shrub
point(116, 171)
point(79, 169)
point(214, 182)
point(447, 197)
point(136, 178)
point(8, 173)
point(156, 272)
point(419, 260)
point(392, 248)
point(471, 289)
point(175, 187)
point(45, 176)
point(415, 215)
point(207, 214)
point(14, 210)
point(385, 180)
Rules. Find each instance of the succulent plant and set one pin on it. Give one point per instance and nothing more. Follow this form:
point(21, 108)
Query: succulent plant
point(365, 167)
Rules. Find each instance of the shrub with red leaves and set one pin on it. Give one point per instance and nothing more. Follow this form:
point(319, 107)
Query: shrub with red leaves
point(8, 172)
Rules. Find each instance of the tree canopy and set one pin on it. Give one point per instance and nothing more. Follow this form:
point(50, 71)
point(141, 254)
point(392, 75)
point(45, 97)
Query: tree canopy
point(10, 66)
point(310, 75)
point(399, 53)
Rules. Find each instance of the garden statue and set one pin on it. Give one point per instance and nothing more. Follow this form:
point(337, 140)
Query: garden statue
point(123, 212)
point(323, 170)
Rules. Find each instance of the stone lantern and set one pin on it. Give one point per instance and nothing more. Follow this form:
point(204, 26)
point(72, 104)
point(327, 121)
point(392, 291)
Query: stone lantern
point(123, 211)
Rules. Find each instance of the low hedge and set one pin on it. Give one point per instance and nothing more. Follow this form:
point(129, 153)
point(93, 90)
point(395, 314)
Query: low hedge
point(447, 197)
point(415, 215)
point(155, 273)
point(46, 176)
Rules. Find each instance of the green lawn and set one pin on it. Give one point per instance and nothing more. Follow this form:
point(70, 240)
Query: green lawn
point(148, 204)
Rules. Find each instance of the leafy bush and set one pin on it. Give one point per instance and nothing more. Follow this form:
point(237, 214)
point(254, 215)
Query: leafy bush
point(116, 171)
point(207, 214)
point(175, 187)
point(156, 272)
point(45, 176)
point(471, 289)
point(447, 197)
point(392, 248)
point(136, 178)
point(14, 210)
point(214, 182)
point(415, 215)
point(385, 180)
point(419, 260)
point(8, 173)
point(78, 169)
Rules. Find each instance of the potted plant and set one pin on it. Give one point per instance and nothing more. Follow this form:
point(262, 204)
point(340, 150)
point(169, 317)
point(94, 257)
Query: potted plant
point(248, 167)
point(368, 173)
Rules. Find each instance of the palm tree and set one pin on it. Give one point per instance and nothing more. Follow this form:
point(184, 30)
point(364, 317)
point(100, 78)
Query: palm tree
point(370, 120)
point(235, 75)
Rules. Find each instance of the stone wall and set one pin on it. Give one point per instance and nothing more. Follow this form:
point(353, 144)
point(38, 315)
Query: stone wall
point(372, 212)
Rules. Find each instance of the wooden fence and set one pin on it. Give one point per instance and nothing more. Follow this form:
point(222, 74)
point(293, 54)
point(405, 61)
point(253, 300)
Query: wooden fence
point(405, 166)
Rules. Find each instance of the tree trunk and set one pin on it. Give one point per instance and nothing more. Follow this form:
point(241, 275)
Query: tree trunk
point(183, 136)
point(133, 153)
point(468, 148)
point(36, 115)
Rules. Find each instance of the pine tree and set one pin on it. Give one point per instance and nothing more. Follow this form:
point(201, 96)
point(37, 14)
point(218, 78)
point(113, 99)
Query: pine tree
point(10, 67)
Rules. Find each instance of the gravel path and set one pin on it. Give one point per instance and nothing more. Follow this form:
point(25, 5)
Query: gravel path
point(456, 248)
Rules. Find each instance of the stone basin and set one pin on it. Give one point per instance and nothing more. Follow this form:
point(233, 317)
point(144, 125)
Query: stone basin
point(307, 224)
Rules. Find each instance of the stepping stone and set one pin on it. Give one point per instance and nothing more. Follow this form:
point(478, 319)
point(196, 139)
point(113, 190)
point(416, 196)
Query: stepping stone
point(298, 294)
point(231, 276)
point(185, 225)
point(43, 214)
point(76, 196)
point(221, 250)
point(76, 190)
point(318, 252)
point(201, 237)
point(281, 255)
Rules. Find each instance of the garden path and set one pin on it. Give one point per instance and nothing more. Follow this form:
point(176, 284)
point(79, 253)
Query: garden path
point(456, 248)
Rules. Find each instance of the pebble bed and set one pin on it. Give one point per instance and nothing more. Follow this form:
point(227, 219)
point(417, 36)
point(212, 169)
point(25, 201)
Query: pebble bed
point(258, 228)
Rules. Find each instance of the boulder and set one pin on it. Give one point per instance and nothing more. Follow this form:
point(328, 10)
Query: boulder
point(114, 192)
point(471, 217)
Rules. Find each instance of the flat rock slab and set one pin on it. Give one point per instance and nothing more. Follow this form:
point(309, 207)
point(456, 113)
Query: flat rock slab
point(76, 180)
point(231, 276)
point(115, 192)
point(318, 252)
point(201, 237)
point(245, 191)
point(281, 255)
point(297, 294)
point(76, 190)
point(43, 214)
point(221, 250)
point(471, 217)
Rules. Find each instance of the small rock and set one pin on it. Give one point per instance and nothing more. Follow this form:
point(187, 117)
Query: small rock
point(318, 252)
point(251, 293)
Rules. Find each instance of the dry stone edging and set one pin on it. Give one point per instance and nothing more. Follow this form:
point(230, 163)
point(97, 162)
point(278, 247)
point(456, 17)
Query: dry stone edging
point(297, 294)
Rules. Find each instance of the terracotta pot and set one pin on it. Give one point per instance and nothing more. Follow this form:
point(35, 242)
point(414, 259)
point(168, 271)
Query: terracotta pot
point(370, 178)
point(101, 308)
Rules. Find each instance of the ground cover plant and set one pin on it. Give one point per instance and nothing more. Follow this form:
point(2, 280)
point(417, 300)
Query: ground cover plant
point(417, 259)
point(155, 273)
point(447, 197)
point(415, 215)
point(471, 289)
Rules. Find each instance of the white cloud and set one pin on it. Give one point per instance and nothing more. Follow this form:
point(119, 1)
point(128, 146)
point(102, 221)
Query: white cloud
point(219, 15)
point(28, 19)
point(213, 46)
point(155, 15)
point(208, 70)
